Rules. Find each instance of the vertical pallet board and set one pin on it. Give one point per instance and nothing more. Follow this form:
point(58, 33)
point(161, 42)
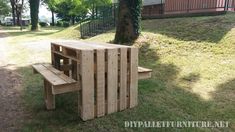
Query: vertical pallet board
point(123, 79)
point(112, 80)
point(52, 55)
point(133, 77)
point(78, 75)
point(49, 97)
point(87, 84)
point(65, 61)
point(100, 82)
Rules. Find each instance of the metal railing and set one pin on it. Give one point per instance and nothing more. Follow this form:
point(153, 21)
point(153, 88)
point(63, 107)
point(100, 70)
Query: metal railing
point(104, 20)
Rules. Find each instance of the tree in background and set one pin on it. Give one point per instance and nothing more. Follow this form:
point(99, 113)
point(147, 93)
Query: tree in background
point(75, 10)
point(34, 10)
point(128, 25)
point(52, 7)
point(4, 7)
point(13, 10)
point(92, 5)
point(17, 7)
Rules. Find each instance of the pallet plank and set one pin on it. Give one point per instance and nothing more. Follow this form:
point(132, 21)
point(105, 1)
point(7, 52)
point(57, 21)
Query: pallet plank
point(60, 74)
point(50, 98)
point(87, 84)
point(49, 76)
point(100, 78)
point(112, 81)
point(144, 73)
point(133, 77)
point(123, 78)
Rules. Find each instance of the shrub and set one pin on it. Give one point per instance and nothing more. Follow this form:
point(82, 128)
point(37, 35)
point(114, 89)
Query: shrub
point(43, 24)
point(62, 24)
point(59, 23)
point(65, 24)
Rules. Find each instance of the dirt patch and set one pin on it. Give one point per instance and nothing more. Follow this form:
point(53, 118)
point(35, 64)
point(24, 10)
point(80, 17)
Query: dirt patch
point(11, 111)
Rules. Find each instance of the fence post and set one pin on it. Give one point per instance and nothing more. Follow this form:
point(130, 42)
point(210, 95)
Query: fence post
point(89, 28)
point(81, 32)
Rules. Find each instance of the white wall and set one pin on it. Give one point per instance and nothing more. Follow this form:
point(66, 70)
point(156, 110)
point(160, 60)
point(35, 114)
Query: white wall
point(152, 2)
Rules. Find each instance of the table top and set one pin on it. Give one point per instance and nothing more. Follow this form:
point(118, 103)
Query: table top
point(84, 45)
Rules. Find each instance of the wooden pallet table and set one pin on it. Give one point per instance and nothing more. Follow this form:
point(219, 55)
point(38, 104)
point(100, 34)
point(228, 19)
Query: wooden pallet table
point(106, 75)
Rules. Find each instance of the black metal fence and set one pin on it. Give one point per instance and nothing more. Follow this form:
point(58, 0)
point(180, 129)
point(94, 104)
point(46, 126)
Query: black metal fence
point(104, 20)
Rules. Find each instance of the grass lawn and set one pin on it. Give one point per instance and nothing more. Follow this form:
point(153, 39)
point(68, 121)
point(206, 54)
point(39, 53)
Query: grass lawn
point(193, 62)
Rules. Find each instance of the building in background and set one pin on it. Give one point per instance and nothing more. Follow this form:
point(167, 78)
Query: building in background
point(8, 21)
point(168, 7)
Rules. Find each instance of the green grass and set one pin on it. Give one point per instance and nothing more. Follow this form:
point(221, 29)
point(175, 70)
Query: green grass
point(193, 62)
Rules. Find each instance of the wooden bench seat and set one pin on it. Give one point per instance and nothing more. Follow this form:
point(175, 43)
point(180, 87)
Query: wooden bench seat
point(55, 82)
point(144, 73)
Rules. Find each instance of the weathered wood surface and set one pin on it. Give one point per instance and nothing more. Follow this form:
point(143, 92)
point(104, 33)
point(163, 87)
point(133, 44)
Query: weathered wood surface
point(59, 82)
point(144, 73)
point(106, 74)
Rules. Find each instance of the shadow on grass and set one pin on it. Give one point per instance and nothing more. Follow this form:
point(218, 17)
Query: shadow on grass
point(160, 99)
point(201, 29)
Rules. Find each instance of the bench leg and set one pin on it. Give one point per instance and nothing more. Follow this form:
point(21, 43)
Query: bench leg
point(48, 96)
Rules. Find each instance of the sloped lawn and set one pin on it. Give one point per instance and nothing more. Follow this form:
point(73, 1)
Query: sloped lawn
point(193, 62)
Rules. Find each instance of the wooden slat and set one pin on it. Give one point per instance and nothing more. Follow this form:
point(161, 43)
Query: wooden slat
point(100, 84)
point(49, 76)
point(50, 98)
point(144, 73)
point(133, 77)
point(112, 81)
point(59, 74)
point(87, 84)
point(65, 88)
point(65, 56)
point(82, 45)
point(123, 78)
point(52, 55)
point(77, 73)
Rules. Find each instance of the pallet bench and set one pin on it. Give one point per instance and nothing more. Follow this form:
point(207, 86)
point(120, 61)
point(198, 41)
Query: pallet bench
point(105, 76)
point(55, 82)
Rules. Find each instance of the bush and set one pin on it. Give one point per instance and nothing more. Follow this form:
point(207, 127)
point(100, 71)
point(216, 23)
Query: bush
point(43, 24)
point(59, 23)
point(65, 24)
point(62, 24)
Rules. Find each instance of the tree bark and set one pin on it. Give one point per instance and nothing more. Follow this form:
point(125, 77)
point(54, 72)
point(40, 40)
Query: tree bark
point(52, 18)
point(21, 12)
point(73, 20)
point(13, 11)
point(128, 24)
point(34, 10)
point(18, 18)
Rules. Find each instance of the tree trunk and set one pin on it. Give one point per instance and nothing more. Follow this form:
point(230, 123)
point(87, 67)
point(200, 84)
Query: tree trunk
point(93, 11)
point(18, 18)
point(73, 20)
point(13, 11)
point(52, 18)
point(128, 24)
point(34, 10)
point(21, 12)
